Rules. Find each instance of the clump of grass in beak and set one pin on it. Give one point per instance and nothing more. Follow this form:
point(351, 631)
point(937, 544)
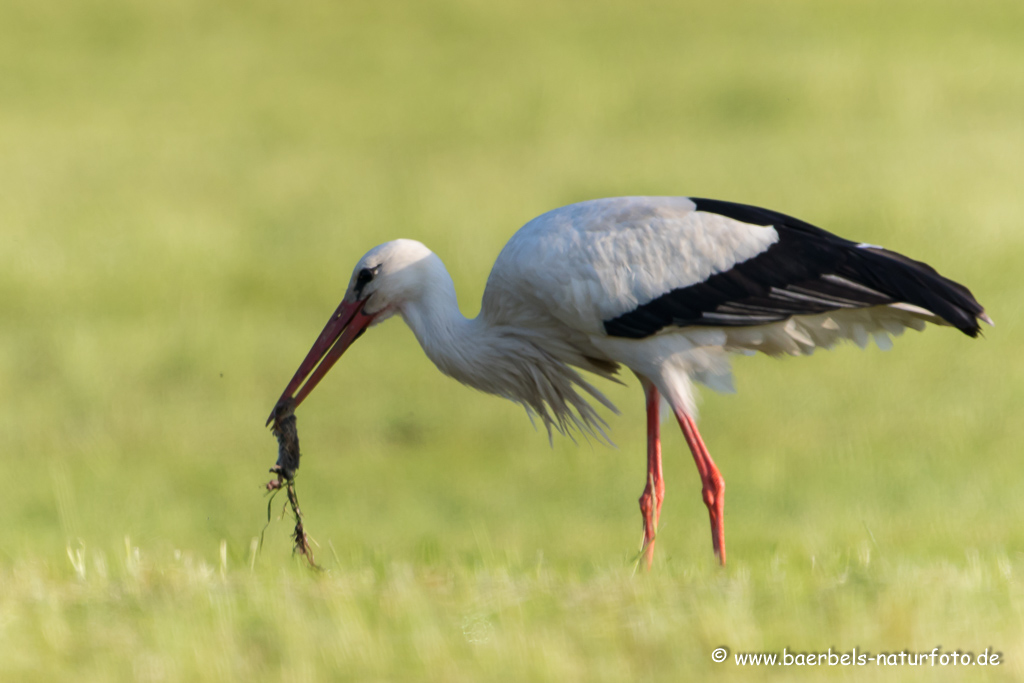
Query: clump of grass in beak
point(288, 454)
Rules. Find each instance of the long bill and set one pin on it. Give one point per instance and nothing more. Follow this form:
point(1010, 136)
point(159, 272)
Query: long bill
point(344, 327)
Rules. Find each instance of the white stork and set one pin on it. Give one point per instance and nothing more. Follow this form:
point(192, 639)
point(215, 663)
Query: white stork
point(667, 286)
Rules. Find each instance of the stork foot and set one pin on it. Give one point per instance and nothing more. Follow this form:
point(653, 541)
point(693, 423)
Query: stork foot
point(650, 508)
point(714, 498)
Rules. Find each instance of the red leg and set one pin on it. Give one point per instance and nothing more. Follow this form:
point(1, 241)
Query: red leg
point(654, 492)
point(712, 483)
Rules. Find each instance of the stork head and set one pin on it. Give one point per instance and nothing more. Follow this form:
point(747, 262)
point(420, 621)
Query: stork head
point(387, 277)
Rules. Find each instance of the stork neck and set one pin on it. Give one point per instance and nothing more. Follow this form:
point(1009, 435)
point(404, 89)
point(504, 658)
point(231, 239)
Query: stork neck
point(454, 343)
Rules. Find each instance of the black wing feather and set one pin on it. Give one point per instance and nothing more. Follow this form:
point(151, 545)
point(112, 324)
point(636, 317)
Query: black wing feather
point(808, 271)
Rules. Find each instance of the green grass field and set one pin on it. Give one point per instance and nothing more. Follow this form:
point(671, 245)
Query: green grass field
point(184, 188)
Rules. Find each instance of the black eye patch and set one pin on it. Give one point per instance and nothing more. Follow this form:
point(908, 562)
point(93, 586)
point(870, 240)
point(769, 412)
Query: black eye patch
point(364, 278)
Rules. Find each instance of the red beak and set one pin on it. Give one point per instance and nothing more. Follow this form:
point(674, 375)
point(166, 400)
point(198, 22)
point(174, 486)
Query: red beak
point(344, 327)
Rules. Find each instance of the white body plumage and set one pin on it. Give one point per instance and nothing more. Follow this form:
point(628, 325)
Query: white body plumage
point(567, 271)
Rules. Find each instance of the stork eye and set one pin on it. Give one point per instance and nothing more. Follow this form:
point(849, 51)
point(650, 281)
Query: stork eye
point(363, 278)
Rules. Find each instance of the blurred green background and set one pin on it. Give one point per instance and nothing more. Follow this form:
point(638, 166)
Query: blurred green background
point(184, 188)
